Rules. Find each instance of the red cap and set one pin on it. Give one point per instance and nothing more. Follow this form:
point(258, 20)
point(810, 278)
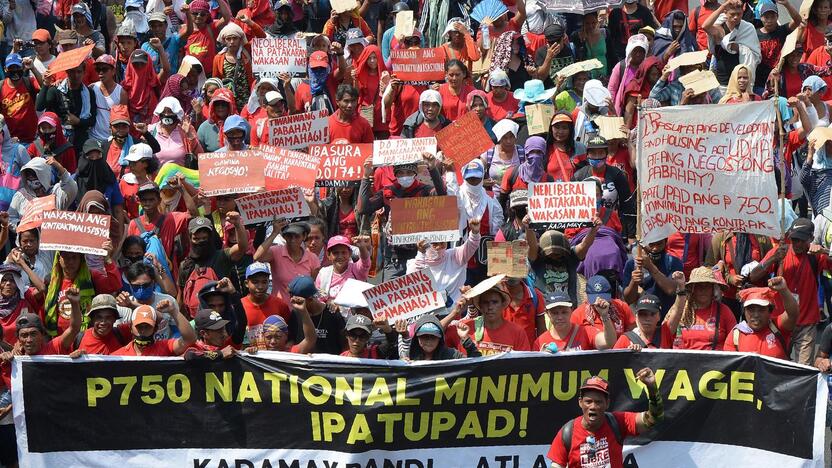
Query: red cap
point(318, 59)
point(119, 114)
point(41, 35)
point(596, 383)
point(757, 296)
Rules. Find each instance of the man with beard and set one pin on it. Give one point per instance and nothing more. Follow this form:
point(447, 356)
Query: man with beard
point(652, 274)
point(206, 263)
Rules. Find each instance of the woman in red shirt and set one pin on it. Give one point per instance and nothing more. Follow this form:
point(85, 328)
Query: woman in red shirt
point(368, 69)
point(814, 35)
point(706, 321)
point(562, 160)
point(455, 90)
point(650, 332)
point(568, 336)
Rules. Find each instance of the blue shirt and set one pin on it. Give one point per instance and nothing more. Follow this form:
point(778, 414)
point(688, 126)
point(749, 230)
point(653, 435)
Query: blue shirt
point(667, 265)
point(172, 45)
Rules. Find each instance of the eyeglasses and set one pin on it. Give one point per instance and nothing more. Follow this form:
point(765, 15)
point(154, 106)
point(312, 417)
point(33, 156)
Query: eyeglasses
point(200, 13)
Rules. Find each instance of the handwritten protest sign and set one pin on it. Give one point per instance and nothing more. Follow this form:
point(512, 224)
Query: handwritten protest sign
point(577, 67)
point(508, 258)
point(434, 219)
point(707, 169)
point(33, 215)
point(538, 117)
point(286, 168)
point(300, 130)
point(341, 165)
point(231, 172)
point(405, 298)
point(700, 81)
point(72, 231)
point(403, 151)
point(686, 59)
point(561, 205)
point(418, 65)
point(273, 55)
point(70, 59)
point(580, 7)
point(404, 24)
point(464, 139)
point(610, 127)
point(264, 207)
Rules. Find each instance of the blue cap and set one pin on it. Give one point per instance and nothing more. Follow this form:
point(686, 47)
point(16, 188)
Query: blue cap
point(303, 286)
point(473, 169)
point(14, 59)
point(275, 321)
point(598, 286)
point(558, 300)
point(257, 267)
point(429, 329)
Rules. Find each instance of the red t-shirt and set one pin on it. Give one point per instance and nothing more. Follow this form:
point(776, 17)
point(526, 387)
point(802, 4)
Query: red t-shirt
point(404, 106)
point(303, 95)
point(357, 131)
point(506, 337)
point(174, 225)
point(695, 24)
point(158, 348)
point(454, 106)
point(700, 335)
point(18, 107)
point(676, 248)
point(560, 165)
point(798, 273)
point(424, 131)
point(607, 448)
point(525, 315)
point(502, 110)
point(92, 344)
point(627, 321)
point(584, 339)
point(763, 342)
point(666, 340)
point(50, 347)
point(819, 57)
point(201, 44)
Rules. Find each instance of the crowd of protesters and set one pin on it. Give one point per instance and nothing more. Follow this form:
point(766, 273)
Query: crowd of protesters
point(120, 134)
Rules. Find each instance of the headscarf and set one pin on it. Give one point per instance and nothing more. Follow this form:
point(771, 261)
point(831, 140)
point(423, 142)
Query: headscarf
point(188, 62)
point(664, 36)
point(636, 41)
point(815, 83)
point(224, 95)
point(317, 85)
point(93, 175)
point(85, 10)
point(733, 89)
point(531, 170)
point(171, 103)
point(505, 126)
point(254, 99)
point(60, 139)
point(142, 86)
point(9, 304)
point(502, 52)
point(472, 198)
point(83, 281)
point(232, 29)
point(469, 101)
point(639, 85)
point(94, 198)
point(173, 89)
point(367, 81)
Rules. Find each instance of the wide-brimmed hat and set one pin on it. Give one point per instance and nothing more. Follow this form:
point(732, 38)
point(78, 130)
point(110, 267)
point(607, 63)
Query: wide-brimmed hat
point(704, 274)
point(534, 91)
point(493, 283)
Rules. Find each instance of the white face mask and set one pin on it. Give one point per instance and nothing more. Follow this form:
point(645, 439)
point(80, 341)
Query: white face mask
point(406, 181)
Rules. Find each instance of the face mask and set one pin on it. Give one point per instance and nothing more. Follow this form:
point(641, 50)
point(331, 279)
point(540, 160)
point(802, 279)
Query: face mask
point(144, 340)
point(47, 136)
point(34, 185)
point(200, 248)
point(142, 293)
point(655, 257)
point(432, 254)
point(406, 181)
point(14, 76)
point(597, 163)
point(168, 120)
point(520, 213)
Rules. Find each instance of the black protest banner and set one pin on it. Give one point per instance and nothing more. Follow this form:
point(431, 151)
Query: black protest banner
point(289, 408)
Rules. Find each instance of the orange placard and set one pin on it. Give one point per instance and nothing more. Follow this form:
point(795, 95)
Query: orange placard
point(231, 172)
point(418, 65)
point(33, 215)
point(287, 168)
point(464, 139)
point(72, 231)
point(70, 59)
point(434, 219)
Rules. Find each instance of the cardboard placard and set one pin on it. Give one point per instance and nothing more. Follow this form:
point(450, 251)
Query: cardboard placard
point(231, 172)
point(264, 207)
point(271, 56)
point(508, 258)
point(434, 219)
point(418, 65)
point(577, 67)
point(286, 168)
point(688, 58)
point(405, 298)
point(483, 65)
point(404, 24)
point(700, 81)
point(33, 216)
point(562, 205)
point(402, 151)
point(300, 130)
point(805, 8)
point(820, 135)
point(464, 139)
point(610, 127)
point(341, 165)
point(538, 118)
point(342, 6)
point(71, 231)
point(789, 45)
point(70, 59)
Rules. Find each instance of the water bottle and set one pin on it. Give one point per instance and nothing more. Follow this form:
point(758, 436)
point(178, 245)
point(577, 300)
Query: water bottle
point(486, 37)
point(552, 348)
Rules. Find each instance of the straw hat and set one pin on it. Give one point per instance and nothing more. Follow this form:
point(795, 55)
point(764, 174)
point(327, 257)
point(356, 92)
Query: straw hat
point(489, 284)
point(704, 274)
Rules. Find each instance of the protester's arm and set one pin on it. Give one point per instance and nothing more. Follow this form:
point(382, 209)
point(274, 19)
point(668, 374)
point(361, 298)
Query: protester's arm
point(367, 204)
point(468, 344)
point(464, 253)
point(789, 320)
point(675, 314)
point(793, 13)
point(583, 248)
point(189, 24)
point(263, 253)
point(655, 406)
point(237, 251)
point(607, 339)
point(73, 295)
point(227, 16)
point(187, 335)
point(310, 336)
point(764, 267)
point(710, 25)
point(667, 285)
point(627, 205)
point(635, 279)
point(435, 176)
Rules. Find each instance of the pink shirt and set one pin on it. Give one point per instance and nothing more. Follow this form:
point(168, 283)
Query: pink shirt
point(284, 269)
point(356, 270)
point(172, 148)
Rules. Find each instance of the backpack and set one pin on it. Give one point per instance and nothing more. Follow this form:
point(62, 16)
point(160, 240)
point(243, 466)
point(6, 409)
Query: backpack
point(656, 341)
point(489, 156)
point(735, 337)
point(197, 279)
point(566, 431)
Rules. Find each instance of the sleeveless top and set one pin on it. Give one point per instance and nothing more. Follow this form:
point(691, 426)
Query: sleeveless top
point(103, 104)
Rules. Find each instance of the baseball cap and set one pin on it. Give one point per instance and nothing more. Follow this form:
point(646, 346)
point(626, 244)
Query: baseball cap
point(273, 97)
point(757, 296)
point(70, 37)
point(318, 59)
point(552, 241)
point(299, 229)
point(596, 141)
point(102, 302)
point(498, 77)
point(198, 223)
point(554, 32)
point(596, 383)
point(119, 114)
point(472, 169)
point(138, 56)
point(29, 321)
point(404, 167)
point(429, 329)
point(143, 314)
point(518, 198)
point(207, 319)
point(802, 229)
point(303, 286)
point(157, 16)
point(92, 145)
point(768, 7)
point(561, 117)
point(257, 268)
point(649, 303)
point(337, 240)
point(41, 35)
point(14, 60)
point(138, 152)
point(598, 287)
point(106, 59)
point(558, 300)
point(359, 322)
point(148, 187)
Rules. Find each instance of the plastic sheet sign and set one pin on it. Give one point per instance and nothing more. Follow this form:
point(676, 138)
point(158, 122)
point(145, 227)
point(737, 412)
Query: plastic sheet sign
point(33, 215)
point(405, 298)
point(341, 165)
point(286, 168)
point(273, 55)
point(402, 151)
point(707, 169)
point(418, 65)
point(264, 207)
